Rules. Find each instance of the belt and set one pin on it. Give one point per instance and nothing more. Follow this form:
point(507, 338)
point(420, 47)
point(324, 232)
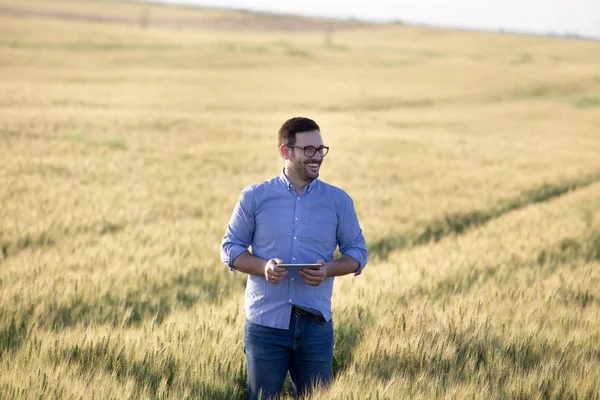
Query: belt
point(300, 311)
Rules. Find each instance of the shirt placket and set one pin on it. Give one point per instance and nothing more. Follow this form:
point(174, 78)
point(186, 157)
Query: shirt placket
point(298, 206)
point(297, 234)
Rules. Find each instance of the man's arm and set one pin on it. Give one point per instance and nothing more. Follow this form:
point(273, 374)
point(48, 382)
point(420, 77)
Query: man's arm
point(350, 238)
point(343, 265)
point(240, 229)
point(250, 264)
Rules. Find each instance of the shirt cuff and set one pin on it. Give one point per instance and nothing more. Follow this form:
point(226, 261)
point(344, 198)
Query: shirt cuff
point(233, 254)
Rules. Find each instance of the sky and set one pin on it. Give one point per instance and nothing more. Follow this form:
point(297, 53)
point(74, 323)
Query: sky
point(561, 17)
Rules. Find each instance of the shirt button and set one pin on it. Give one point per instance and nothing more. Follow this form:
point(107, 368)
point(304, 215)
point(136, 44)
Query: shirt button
point(292, 278)
point(290, 300)
point(296, 218)
point(298, 198)
point(294, 258)
point(295, 238)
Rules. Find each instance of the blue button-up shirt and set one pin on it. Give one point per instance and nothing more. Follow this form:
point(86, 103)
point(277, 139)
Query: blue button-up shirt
point(271, 217)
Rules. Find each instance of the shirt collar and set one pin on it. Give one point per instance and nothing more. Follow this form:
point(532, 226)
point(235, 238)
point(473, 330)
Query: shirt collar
point(290, 186)
point(284, 179)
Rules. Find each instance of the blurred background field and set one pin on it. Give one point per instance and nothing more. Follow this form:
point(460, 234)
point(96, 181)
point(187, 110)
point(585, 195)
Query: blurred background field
point(127, 132)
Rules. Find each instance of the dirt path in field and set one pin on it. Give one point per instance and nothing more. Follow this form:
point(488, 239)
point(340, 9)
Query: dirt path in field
point(252, 21)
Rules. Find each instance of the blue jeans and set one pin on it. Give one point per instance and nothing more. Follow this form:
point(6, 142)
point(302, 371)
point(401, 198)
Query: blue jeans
point(305, 349)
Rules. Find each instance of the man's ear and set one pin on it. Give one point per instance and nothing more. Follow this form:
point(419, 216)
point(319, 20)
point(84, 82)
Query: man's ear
point(284, 151)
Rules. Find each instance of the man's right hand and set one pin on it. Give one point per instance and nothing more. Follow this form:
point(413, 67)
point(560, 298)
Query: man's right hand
point(273, 273)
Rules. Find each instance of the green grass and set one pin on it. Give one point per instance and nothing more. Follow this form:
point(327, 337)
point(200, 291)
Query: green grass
point(586, 101)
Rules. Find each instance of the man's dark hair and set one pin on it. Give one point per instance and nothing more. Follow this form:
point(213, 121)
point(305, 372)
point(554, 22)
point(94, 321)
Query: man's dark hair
point(287, 132)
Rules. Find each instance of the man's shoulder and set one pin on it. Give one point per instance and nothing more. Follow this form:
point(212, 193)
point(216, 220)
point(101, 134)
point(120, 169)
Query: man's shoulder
point(262, 185)
point(333, 190)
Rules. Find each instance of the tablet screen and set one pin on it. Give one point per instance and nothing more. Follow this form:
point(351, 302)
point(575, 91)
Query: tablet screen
point(299, 266)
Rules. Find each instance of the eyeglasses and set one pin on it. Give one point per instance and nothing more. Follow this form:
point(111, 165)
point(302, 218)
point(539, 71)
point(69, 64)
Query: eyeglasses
point(310, 151)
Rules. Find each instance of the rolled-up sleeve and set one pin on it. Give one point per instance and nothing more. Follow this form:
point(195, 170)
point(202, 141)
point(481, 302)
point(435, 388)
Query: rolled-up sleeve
point(349, 235)
point(240, 229)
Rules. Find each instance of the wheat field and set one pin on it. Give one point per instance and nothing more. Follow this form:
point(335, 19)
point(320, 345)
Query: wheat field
point(473, 159)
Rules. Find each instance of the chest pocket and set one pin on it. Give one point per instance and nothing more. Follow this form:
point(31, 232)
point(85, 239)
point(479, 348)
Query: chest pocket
point(322, 230)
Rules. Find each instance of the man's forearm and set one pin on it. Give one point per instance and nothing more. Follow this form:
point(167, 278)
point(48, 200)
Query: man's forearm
point(250, 264)
point(342, 266)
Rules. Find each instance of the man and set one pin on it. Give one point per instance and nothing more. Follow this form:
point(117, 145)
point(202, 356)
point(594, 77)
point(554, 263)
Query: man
point(293, 218)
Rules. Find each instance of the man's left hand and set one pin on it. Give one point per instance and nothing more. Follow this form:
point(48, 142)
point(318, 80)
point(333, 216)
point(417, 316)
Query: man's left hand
point(314, 277)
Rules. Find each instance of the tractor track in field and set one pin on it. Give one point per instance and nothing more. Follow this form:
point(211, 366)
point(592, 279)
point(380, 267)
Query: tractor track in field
point(461, 222)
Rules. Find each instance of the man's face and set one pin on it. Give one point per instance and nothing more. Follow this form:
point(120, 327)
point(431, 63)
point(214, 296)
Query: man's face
point(305, 168)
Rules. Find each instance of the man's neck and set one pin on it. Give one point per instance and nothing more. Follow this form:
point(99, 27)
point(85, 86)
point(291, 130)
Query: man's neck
point(299, 184)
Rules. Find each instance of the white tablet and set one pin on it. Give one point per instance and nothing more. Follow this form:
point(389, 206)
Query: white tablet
point(299, 266)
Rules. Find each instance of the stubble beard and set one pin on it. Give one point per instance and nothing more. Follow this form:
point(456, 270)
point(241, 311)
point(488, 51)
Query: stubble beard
point(304, 172)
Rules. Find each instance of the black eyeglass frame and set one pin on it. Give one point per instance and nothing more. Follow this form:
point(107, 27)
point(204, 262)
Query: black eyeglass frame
point(321, 149)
